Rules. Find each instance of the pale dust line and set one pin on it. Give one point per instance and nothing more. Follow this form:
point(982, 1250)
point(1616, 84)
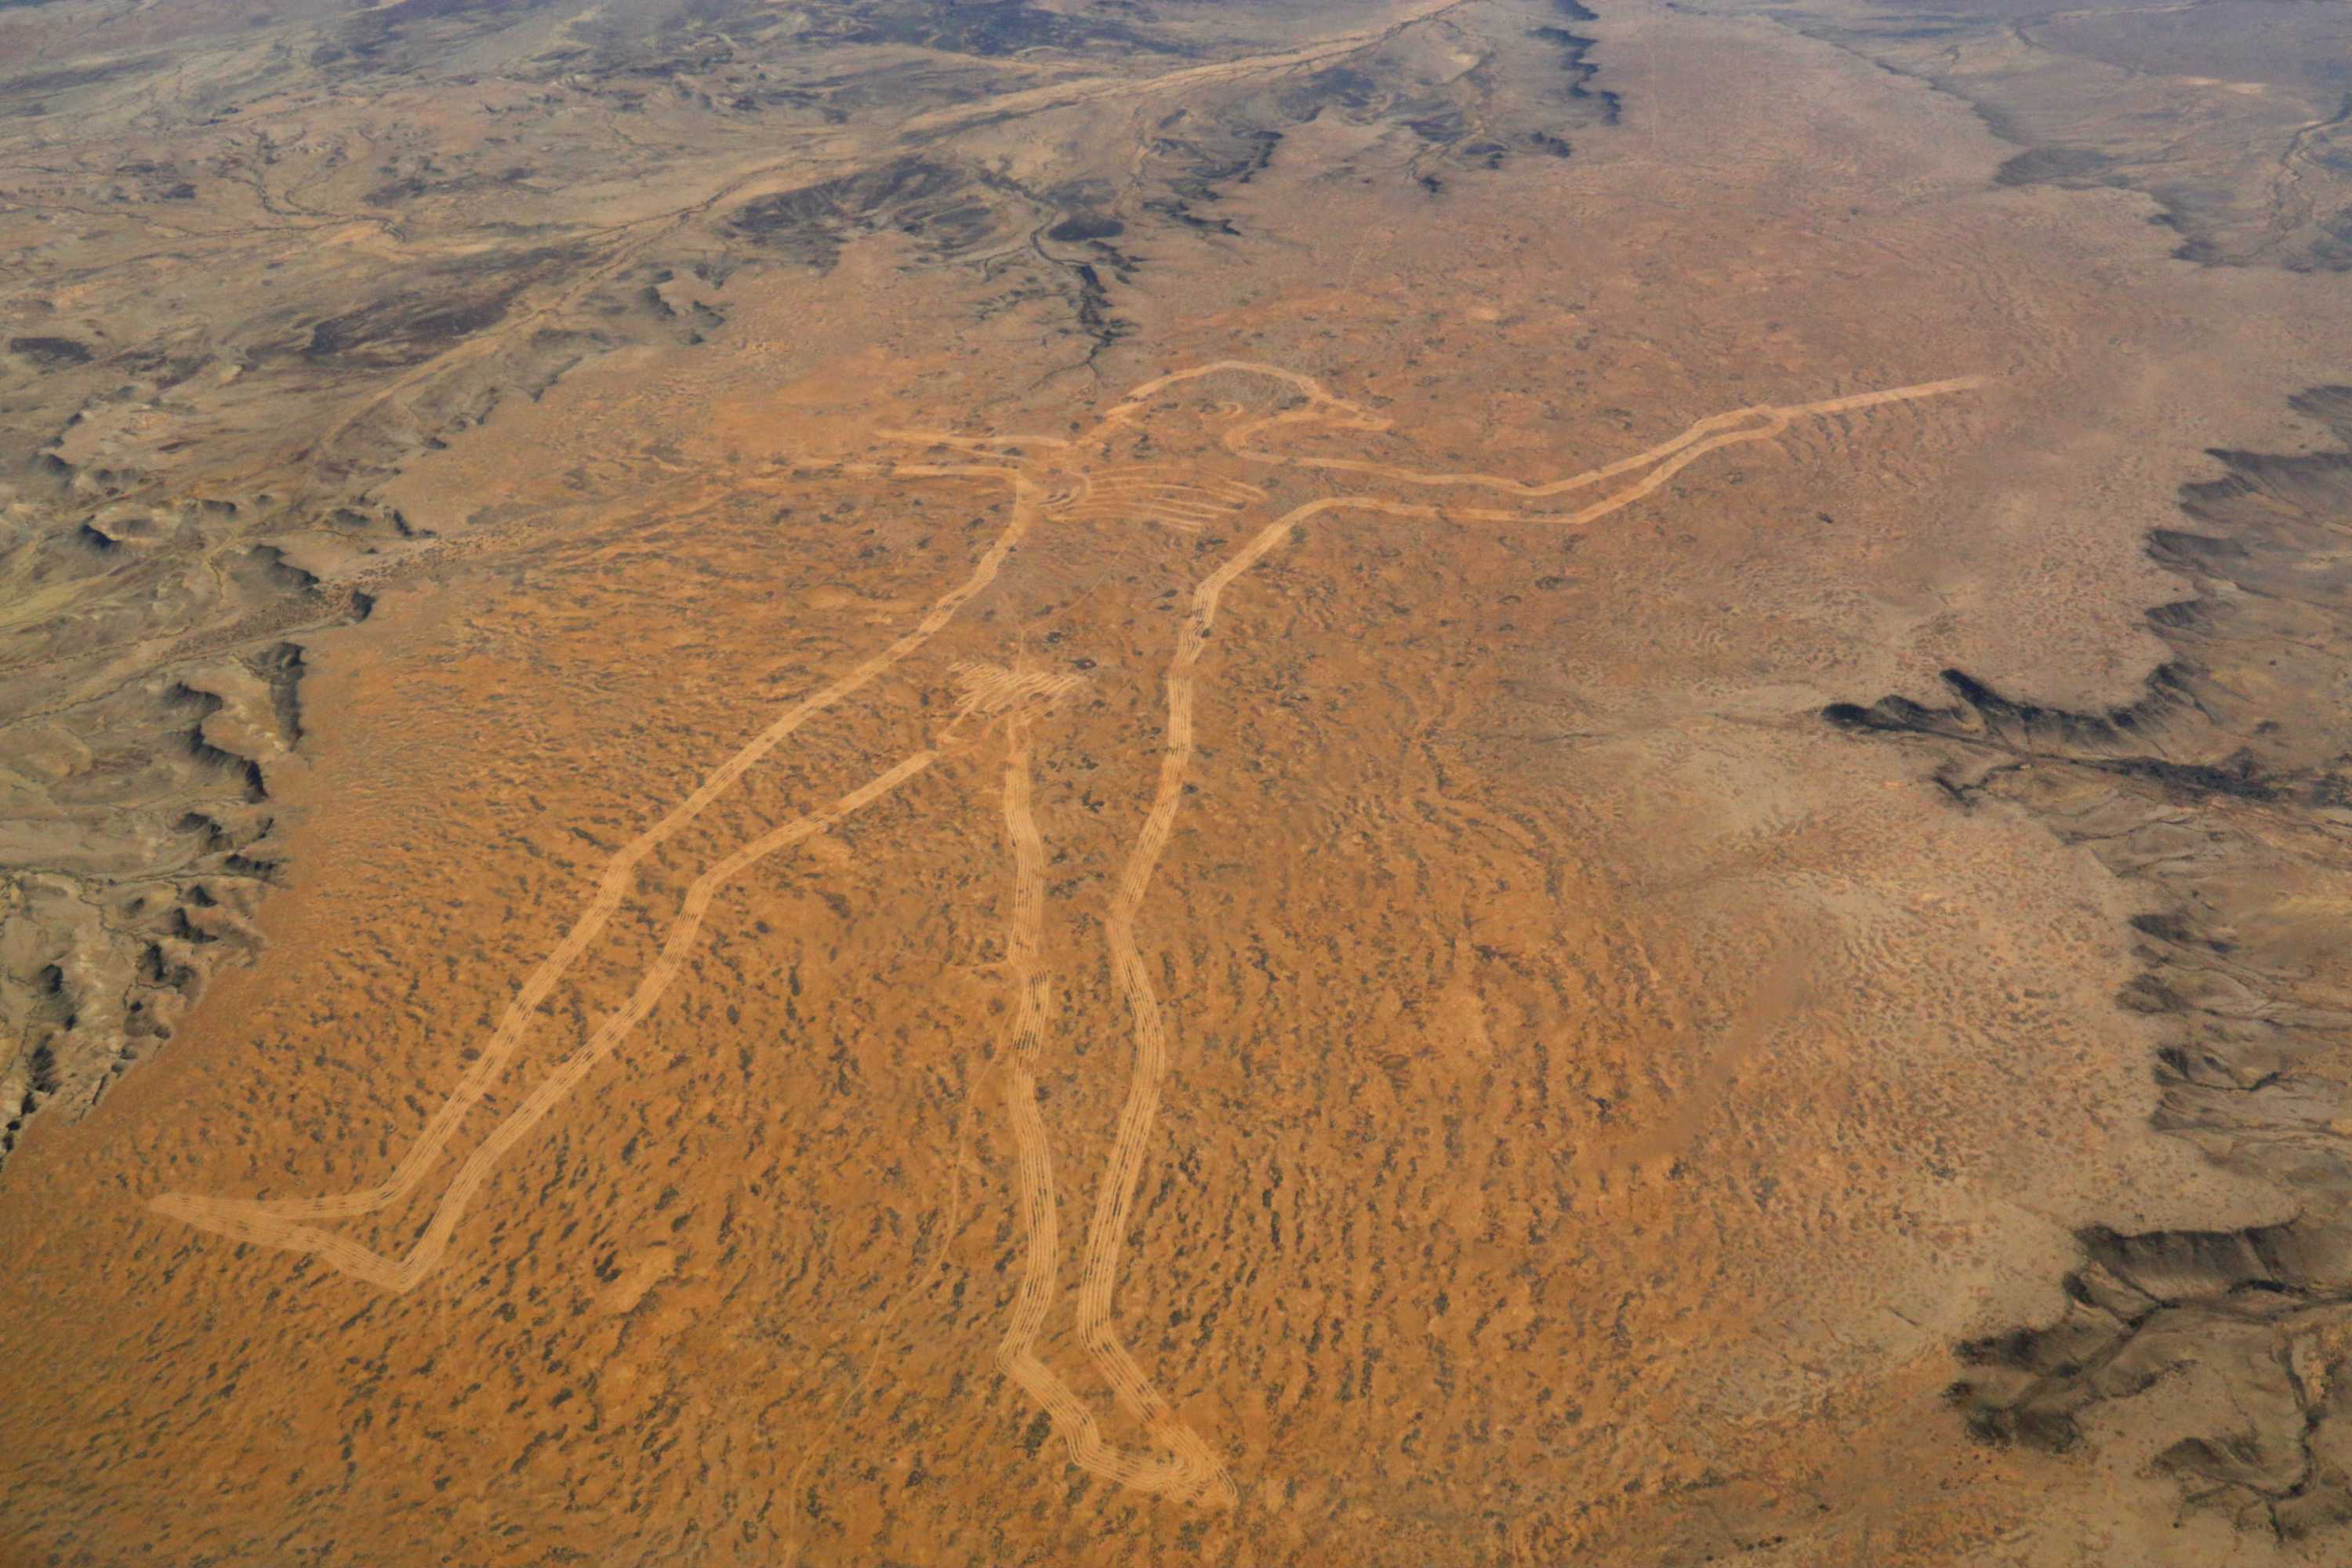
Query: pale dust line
point(1158, 501)
point(990, 688)
point(1118, 506)
point(1174, 500)
point(613, 886)
point(1139, 395)
point(1688, 450)
point(252, 1222)
point(1114, 506)
point(1157, 469)
point(1181, 522)
point(1192, 1473)
point(1183, 495)
point(1230, 494)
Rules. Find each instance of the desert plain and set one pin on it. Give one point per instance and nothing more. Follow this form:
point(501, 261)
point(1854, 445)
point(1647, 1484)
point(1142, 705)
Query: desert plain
point(1373, 784)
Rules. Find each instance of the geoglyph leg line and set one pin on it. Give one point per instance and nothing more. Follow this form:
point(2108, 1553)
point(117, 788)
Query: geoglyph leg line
point(1186, 1474)
point(986, 691)
point(1196, 1469)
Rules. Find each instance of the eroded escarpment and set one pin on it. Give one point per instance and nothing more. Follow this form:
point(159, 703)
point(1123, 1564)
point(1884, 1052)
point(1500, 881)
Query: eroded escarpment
point(145, 719)
point(2226, 792)
point(2255, 177)
point(1426, 104)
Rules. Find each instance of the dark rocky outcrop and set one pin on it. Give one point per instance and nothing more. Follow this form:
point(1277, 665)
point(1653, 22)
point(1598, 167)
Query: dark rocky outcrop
point(2224, 790)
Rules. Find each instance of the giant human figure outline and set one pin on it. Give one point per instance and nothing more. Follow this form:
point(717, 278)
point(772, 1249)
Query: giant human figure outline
point(1050, 478)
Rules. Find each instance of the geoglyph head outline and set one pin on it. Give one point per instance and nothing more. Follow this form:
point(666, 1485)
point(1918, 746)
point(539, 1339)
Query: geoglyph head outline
point(986, 691)
point(1155, 455)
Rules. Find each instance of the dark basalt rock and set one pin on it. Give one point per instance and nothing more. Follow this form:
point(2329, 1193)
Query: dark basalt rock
point(51, 354)
point(943, 206)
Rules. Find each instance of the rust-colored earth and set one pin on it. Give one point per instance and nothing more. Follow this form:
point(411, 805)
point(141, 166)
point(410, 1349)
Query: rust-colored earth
point(922, 784)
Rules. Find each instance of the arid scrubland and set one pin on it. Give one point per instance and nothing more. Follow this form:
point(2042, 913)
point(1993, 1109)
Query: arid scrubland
point(1091, 783)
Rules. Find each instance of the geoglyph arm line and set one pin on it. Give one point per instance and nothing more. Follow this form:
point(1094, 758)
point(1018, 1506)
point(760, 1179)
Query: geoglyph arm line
point(1325, 408)
point(272, 1227)
point(613, 886)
